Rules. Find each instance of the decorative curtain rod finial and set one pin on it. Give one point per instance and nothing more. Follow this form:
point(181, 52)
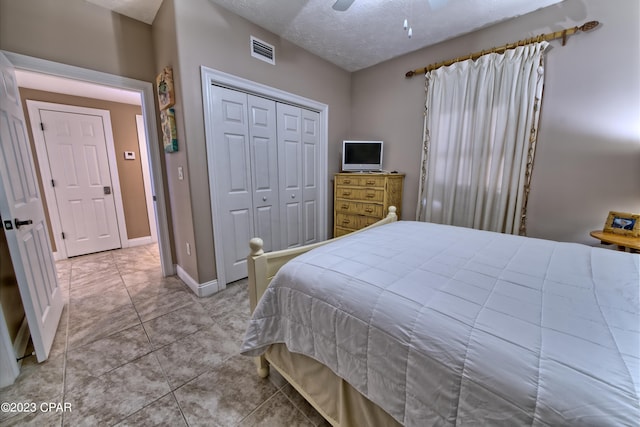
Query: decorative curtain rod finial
point(588, 26)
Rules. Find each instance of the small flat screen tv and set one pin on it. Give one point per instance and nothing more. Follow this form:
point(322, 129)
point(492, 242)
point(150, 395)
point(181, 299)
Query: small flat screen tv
point(361, 156)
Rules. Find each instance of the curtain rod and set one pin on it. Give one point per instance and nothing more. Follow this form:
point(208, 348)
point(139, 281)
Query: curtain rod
point(562, 34)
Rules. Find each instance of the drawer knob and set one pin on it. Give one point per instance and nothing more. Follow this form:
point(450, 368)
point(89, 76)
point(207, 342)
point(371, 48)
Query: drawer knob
point(368, 210)
point(370, 182)
point(346, 221)
point(371, 195)
point(347, 181)
point(345, 207)
point(346, 193)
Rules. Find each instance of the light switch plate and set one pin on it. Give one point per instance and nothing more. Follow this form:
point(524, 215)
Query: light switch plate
point(180, 173)
point(129, 155)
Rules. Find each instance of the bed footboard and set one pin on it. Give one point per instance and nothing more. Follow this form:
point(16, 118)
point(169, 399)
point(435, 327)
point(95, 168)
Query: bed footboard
point(262, 266)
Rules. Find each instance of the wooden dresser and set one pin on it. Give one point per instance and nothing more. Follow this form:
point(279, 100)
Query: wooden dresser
point(360, 199)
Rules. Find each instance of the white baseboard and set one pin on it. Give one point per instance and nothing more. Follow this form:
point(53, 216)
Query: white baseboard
point(139, 241)
point(200, 289)
point(22, 339)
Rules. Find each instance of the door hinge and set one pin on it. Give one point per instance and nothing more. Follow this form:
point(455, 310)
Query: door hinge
point(154, 198)
point(63, 236)
point(42, 126)
point(53, 183)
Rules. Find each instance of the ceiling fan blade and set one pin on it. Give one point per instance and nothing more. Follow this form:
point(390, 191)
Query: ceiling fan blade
point(342, 5)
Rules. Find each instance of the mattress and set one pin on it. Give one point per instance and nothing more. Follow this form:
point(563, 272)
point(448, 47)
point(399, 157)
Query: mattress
point(441, 325)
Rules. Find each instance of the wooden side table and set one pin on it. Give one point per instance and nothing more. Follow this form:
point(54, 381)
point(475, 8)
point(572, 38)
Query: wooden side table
point(623, 242)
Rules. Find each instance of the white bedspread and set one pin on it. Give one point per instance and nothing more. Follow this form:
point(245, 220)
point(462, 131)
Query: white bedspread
point(441, 325)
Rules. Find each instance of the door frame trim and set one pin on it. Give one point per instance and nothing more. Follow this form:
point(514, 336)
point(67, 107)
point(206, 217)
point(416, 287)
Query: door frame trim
point(145, 89)
point(211, 77)
point(34, 108)
point(146, 178)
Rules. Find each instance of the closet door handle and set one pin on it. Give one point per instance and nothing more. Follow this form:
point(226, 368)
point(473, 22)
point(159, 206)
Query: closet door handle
point(264, 198)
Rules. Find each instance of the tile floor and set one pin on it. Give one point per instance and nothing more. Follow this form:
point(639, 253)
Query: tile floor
point(136, 349)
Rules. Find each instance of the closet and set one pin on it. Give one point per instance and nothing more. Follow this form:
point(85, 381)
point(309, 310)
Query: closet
point(265, 174)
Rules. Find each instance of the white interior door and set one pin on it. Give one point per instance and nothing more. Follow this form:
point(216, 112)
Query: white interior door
point(24, 221)
point(79, 164)
point(290, 172)
point(232, 178)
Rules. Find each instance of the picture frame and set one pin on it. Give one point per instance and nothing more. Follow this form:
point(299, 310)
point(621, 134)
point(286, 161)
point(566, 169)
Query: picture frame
point(169, 132)
point(164, 85)
point(623, 223)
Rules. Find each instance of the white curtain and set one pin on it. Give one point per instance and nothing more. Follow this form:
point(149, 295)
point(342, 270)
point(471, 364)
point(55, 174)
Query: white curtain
point(480, 129)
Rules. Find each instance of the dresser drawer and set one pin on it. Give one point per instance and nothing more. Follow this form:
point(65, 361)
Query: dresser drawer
point(354, 222)
point(361, 181)
point(369, 209)
point(360, 194)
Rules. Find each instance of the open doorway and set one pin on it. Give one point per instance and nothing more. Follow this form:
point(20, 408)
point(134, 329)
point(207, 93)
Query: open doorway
point(144, 92)
point(93, 165)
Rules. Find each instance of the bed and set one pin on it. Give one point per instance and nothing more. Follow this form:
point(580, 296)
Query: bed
point(410, 323)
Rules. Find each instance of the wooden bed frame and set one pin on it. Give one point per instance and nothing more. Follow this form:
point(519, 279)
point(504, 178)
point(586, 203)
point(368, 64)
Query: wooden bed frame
point(262, 267)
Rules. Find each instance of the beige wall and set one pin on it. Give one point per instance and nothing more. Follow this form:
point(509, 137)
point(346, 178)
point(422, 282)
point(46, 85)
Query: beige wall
point(125, 138)
point(179, 195)
point(588, 157)
point(79, 33)
point(211, 36)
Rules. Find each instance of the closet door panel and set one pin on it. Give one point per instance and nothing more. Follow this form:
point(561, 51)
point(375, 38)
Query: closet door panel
point(310, 143)
point(232, 177)
point(290, 173)
point(264, 170)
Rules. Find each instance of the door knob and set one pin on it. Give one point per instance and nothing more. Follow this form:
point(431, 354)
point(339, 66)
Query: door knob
point(19, 223)
point(107, 190)
point(293, 196)
point(264, 198)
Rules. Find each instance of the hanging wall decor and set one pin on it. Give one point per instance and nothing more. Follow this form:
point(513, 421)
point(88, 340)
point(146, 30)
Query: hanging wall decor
point(169, 133)
point(164, 82)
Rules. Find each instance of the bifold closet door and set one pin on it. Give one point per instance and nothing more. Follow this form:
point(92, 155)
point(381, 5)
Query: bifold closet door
point(265, 175)
point(245, 161)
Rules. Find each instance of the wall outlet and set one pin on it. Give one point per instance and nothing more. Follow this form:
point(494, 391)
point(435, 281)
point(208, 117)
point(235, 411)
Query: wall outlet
point(188, 249)
point(180, 173)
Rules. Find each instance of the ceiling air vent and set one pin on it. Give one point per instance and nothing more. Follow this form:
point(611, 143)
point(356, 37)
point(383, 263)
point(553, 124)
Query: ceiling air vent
point(263, 51)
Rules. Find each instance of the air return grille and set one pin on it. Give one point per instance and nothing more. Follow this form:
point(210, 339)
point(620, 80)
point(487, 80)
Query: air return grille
point(263, 51)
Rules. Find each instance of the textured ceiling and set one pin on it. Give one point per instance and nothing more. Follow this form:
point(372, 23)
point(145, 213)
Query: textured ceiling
point(369, 32)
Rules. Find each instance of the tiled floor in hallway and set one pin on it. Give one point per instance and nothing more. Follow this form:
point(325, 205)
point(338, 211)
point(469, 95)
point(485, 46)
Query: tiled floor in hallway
point(136, 349)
